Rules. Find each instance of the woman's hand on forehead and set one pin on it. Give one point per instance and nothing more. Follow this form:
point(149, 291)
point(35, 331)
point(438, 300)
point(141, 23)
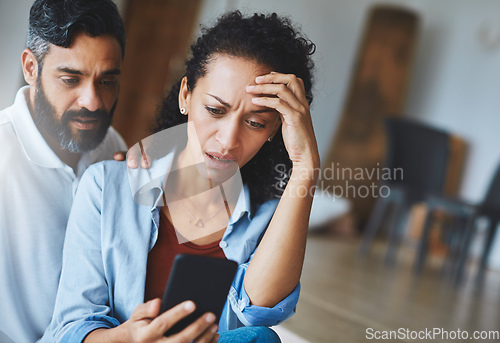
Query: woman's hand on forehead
point(285, 93)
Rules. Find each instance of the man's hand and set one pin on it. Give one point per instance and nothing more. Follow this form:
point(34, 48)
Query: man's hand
point(132, 157)
point(145, 325)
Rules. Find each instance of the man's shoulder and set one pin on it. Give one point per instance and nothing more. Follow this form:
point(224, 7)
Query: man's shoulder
point(113, 137)
point(8, 134)
point(5, 116)
point(112, 142)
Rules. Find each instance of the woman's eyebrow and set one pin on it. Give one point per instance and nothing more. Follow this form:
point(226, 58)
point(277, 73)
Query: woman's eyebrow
point(225, 104)
point(265, 110)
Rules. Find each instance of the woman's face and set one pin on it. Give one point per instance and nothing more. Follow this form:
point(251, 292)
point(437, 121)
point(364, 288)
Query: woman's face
point(230, 129)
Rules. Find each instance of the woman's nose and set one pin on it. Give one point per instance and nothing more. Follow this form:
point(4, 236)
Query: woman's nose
point(228, 134)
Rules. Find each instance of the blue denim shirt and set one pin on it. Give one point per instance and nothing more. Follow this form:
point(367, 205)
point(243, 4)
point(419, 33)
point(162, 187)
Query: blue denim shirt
point(107, 242)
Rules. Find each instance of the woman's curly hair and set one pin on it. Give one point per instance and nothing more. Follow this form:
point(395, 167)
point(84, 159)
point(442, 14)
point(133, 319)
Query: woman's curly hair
point(265, 39)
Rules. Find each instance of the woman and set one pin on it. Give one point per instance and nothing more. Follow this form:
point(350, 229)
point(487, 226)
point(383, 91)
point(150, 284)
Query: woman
point(245, 95)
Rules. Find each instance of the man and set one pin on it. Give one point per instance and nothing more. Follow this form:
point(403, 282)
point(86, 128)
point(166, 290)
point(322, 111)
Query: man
point(56, 128)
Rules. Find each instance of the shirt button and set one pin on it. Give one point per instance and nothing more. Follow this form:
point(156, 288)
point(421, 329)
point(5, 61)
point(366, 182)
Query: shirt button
point(223, 244)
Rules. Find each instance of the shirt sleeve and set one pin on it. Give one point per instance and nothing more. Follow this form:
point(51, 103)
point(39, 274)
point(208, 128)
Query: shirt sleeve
point(252, 315)
point(82, 302)
point(81, 329)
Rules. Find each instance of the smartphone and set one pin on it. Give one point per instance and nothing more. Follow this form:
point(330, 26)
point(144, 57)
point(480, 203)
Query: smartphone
point(204, 280)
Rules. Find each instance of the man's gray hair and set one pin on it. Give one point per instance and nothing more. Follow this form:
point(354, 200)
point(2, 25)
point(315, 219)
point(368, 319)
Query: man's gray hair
point(39, 47)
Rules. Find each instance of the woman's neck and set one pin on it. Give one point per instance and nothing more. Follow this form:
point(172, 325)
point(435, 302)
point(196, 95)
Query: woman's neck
point(184, 179)
point(198, 193)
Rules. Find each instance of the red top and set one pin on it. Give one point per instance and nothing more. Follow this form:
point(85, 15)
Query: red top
point(161, 257)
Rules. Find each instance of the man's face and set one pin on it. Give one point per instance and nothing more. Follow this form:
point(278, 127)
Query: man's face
point(76, 91)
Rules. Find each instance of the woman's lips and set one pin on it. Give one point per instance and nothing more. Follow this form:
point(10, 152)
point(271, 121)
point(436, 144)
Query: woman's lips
point(219, 161)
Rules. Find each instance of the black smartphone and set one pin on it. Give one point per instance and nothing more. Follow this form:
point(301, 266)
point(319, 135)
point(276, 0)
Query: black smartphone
point(204, 280)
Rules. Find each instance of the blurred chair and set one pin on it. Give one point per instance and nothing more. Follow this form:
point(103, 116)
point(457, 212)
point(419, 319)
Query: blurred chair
point(422, 153)
point(460, 234)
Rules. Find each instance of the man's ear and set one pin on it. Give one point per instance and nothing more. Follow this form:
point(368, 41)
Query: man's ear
point(184, 96)
point(30, 67)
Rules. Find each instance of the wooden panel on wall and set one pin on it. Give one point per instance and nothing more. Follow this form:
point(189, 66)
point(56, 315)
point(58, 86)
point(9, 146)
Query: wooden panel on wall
point(378, 89)
point(158, 37)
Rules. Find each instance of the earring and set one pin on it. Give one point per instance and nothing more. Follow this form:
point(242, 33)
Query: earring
point(270, 138)
point(183, 110)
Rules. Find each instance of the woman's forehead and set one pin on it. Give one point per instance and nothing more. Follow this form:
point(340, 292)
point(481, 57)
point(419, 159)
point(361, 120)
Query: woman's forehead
point(243, 65)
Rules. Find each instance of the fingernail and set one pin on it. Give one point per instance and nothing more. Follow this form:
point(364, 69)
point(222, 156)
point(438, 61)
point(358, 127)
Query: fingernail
point(189, 306)
point(214, 329)
point(210, 317)
point(256, 100)
point(259, 78)
point(249, 88)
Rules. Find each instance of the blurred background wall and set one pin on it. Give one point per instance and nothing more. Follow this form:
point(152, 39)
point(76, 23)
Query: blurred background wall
point(455, 83)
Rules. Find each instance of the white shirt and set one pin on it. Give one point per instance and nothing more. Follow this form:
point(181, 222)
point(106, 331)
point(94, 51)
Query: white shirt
point(36, 193)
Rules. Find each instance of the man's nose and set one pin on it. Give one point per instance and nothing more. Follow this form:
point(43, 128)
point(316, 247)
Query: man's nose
point(90, 98)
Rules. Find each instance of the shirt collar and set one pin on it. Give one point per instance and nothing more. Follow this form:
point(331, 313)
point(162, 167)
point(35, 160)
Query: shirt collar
point(31, 140)
point(146, 186)
point(242, 206)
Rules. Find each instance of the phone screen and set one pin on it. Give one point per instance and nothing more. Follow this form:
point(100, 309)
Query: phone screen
point(204, 280)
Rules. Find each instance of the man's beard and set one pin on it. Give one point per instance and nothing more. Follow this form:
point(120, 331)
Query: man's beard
point(45, 119)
